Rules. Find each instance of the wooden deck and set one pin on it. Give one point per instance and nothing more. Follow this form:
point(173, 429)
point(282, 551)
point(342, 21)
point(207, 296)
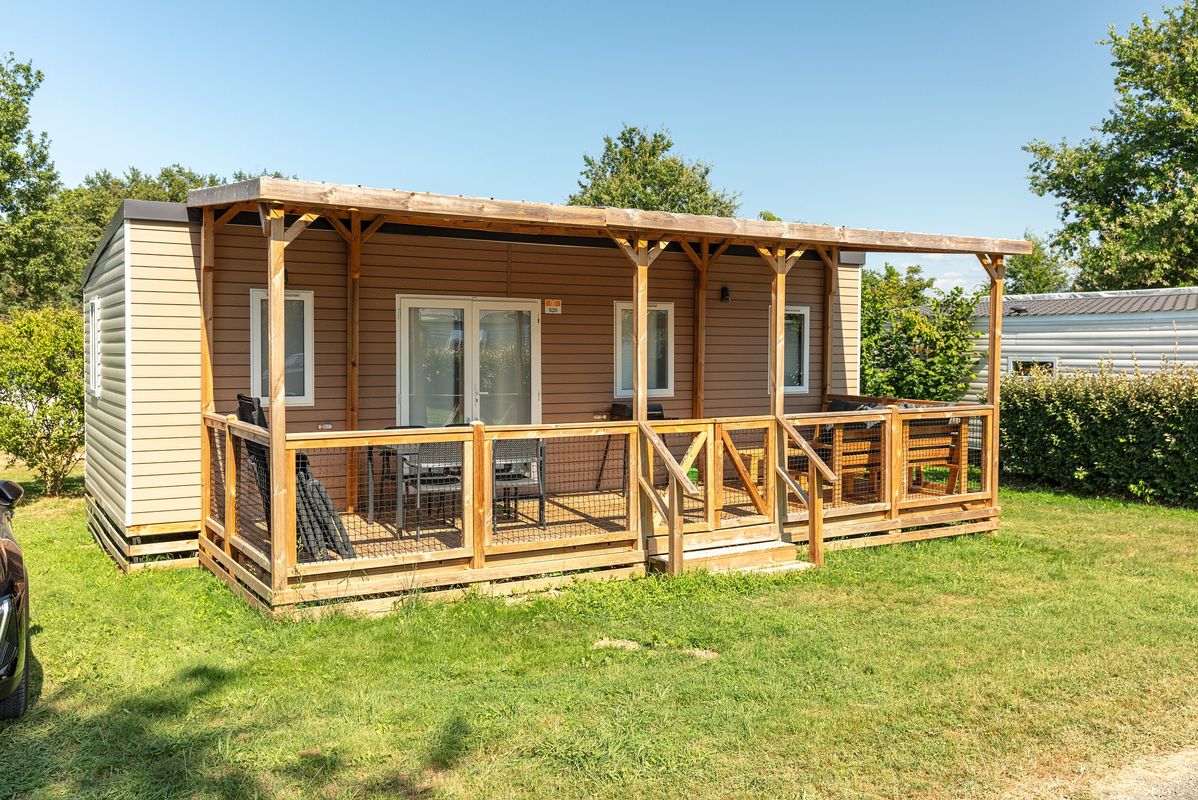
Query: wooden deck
point(899, 474)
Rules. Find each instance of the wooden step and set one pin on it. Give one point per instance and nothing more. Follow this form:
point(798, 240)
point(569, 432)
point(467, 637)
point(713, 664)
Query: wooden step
point(763, 556)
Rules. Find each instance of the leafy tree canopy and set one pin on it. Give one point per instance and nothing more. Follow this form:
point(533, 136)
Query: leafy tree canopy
point(41, 392)
point(637, 170)
point(1128, 197)
point(916, 341)
point(1042, 270)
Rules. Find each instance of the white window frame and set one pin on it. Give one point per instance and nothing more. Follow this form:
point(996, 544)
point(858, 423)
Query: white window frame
point(801, 388)
point(95, 361)
point(471, 306)
point(1054, 360)
point(668, 391)
point(308, 297)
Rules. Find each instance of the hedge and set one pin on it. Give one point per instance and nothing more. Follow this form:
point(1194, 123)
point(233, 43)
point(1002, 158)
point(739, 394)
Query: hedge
point(1105, 432)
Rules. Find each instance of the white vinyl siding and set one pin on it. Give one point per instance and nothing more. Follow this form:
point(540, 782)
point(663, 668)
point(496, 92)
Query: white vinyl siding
point(105, 470)
point(1083, 341)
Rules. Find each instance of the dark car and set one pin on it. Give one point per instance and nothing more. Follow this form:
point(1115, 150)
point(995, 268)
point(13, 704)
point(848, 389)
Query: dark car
point(14, 612)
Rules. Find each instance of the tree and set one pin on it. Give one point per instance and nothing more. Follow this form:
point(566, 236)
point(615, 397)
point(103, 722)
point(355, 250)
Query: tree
point(1040, 271)
point(915, 341)
point(637, 170)
point(1128, 197)
point(29, 241)
point(41, 392)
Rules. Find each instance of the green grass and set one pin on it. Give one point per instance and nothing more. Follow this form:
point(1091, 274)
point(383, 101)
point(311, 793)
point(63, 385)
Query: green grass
point(1063, 644)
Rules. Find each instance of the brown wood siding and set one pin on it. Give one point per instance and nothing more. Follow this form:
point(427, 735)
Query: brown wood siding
point(577, 347)
point(315, 262)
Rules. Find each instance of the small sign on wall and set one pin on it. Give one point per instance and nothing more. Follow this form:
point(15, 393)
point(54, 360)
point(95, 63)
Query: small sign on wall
point(553, 306)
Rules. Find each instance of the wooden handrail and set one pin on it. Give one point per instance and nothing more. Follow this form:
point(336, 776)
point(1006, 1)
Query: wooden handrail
point(807, 449)
point(667, 458)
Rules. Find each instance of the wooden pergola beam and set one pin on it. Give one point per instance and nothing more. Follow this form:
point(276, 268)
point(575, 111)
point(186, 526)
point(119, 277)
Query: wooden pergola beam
point(416, 205)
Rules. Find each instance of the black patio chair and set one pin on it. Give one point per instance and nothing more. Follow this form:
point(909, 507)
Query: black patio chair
point(319, 528)
point(437, 468)
point(519, 466)
point(395, 468)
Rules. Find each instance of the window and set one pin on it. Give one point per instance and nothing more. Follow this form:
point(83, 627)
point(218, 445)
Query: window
point(1026, 366)
point(297, 347)
point(93, 346)
point(798, 320)
point(661, 349)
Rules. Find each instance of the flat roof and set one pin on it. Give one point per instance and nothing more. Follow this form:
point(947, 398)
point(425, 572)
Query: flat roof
point(491, 214)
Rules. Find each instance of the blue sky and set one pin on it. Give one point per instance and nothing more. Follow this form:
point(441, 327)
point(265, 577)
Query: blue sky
point(874, 114)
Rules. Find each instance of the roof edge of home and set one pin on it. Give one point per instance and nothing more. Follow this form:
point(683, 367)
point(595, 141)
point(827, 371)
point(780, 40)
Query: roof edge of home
point(453, 208)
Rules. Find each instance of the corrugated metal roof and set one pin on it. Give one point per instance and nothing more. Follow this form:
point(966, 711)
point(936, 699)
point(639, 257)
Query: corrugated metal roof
point(1135, 301)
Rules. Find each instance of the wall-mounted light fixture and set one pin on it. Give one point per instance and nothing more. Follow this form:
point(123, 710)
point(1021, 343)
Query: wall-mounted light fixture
point(725, 294)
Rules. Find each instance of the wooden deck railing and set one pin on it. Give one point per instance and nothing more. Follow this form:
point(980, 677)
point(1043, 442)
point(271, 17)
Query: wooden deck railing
point(396, 510)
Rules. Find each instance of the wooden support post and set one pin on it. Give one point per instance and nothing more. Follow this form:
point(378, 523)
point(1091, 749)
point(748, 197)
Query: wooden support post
point(352, 346)
point(996, 269)
point(207, 397)
point(780, 261)
point(831, 259)
point(231, 465)
point(703, 259)
point(674, 525)
point(815, 515)
point(280, 500)
point(710, 492)
point(895, 462)
point(642, 257)
point(479, 475)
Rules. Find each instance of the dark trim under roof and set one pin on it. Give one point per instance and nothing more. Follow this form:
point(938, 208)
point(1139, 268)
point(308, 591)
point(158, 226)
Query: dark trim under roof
point(140, 211)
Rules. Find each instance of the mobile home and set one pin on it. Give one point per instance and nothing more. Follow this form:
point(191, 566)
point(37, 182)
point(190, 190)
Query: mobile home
point(324, 392)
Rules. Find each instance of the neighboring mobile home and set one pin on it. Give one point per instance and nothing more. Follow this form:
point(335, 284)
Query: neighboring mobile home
point(522, 348)
point(1071, 331)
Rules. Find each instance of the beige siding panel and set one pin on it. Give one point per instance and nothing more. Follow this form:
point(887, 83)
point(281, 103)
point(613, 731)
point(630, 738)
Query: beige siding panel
point(105, 468)
point(165, 368)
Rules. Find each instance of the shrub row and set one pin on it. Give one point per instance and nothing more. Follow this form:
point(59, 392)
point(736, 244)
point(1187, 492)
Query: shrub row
point(1106, 432)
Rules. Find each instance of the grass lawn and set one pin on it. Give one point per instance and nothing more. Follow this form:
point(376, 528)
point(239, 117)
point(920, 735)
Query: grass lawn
point(1021, 663)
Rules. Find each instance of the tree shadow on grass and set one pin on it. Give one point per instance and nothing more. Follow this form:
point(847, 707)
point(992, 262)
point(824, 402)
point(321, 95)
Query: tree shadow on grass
point(167, 742)
point(142, 745)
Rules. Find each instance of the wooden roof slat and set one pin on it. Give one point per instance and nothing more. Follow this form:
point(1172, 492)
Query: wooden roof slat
point(500, 213)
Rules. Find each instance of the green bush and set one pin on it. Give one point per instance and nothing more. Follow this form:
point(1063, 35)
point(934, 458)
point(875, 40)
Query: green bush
point(41, 392)
point(1106, 432)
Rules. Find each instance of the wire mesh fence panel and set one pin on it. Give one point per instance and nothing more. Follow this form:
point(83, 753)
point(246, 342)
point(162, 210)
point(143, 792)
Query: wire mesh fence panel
point(253, 493)
point(379, 500)
point(694, 509)
point(216, 472)
point(738, 502)
point(558, 487)
point(855, 451)
point(943, 457)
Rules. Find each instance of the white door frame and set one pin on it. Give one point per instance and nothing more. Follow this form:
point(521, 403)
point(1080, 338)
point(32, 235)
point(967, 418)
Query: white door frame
point(471, 306)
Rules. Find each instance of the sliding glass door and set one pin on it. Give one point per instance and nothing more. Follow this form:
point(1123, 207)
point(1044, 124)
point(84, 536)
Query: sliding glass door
point(462, 359)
